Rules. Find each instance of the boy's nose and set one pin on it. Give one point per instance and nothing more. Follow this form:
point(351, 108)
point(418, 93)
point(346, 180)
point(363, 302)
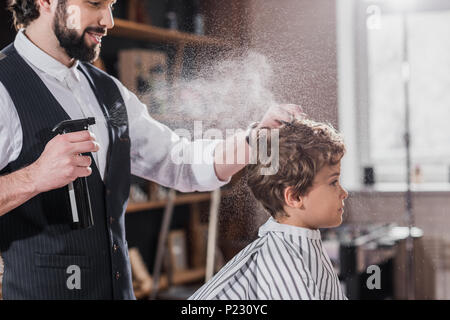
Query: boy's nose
point(344, 194)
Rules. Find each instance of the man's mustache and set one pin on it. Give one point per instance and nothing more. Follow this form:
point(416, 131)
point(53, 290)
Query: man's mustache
point(100, 31)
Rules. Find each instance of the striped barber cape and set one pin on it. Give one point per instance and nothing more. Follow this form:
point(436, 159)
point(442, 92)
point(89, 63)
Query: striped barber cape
point(284, 263)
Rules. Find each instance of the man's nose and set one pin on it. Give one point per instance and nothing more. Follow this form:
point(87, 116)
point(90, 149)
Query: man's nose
point(107, 19)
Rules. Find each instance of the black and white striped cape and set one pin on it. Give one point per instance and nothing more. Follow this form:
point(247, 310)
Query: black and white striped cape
point(285, 262)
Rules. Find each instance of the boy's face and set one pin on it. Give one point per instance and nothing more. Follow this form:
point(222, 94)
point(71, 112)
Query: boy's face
point(80, 24)
point(324, 203)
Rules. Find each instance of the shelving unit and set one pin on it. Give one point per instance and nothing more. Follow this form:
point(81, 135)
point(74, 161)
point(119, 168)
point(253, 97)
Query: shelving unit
point(179, 41)
point(139, 31)
point(182, 199)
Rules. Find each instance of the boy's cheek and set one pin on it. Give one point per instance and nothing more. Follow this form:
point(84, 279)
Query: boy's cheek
point(334, 219)
point(339, 222)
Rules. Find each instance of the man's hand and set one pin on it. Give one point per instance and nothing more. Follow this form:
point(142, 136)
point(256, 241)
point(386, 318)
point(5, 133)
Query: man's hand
point(285, 112)
point(273, 119)
point(61, 162)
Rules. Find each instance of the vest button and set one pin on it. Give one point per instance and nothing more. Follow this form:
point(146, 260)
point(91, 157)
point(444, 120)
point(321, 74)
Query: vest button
point(115, 247)
point(117, 275)
point(111, 220)
point(108, 191)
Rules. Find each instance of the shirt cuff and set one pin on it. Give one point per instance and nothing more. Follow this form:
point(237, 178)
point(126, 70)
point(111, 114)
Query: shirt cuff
point(203, 170)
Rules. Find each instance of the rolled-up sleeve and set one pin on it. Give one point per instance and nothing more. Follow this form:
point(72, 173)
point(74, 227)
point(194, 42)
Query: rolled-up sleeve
point(159, 154)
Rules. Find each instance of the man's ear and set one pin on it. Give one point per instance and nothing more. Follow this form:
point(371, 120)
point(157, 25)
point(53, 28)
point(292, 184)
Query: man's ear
point(291, 199)
point(47, 5)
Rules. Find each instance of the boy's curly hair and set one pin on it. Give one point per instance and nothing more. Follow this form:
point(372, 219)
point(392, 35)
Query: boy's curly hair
point(23, 11)
point(305, 147)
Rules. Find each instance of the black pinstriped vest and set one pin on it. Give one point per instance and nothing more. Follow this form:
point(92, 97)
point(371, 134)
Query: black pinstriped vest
point(36, 241)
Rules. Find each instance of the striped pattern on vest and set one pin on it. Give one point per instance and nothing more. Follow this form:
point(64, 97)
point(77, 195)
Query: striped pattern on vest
point(36, 241)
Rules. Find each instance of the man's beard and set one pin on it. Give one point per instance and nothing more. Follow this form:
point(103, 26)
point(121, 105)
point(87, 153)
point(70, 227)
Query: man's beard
point(70, 41)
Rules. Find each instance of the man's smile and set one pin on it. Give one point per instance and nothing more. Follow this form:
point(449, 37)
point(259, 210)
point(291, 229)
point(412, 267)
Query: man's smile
point(96, 37)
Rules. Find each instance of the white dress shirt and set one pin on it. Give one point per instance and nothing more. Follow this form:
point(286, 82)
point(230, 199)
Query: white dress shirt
point(151, 141)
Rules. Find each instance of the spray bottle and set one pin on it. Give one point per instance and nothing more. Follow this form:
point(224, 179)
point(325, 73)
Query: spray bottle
point(78, 190)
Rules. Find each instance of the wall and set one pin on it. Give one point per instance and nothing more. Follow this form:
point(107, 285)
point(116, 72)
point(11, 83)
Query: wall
point(299, 36)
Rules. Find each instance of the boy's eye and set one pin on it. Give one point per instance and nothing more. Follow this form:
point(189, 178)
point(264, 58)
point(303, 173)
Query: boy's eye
point(334, 182)
point(95, 4)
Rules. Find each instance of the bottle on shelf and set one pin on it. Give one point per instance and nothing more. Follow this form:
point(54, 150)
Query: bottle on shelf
point(198, 19)
point(193, 20)
point(171, 17)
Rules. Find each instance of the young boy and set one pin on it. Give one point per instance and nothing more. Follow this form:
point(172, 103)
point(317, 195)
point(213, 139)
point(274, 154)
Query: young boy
point(288, 260)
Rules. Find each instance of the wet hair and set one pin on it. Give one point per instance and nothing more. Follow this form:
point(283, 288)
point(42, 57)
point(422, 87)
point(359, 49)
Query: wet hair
point(305, 147)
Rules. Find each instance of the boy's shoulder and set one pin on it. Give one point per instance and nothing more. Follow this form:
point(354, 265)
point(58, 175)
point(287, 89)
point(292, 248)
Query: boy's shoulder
point(278, 244)
point(287, 239)
point(267, 260)
point(288, 232)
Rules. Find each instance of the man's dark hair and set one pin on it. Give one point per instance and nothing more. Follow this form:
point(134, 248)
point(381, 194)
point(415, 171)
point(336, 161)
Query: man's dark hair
point(24, 11)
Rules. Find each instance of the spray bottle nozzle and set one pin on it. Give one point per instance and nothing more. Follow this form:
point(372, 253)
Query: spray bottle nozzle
point(73, 125)
point(80, 203)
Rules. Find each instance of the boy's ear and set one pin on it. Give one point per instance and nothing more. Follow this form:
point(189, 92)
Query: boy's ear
point(291, 200)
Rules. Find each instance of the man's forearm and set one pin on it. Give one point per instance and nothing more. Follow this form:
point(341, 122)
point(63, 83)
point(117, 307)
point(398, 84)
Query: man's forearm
point(231, 156)
point(15, 189)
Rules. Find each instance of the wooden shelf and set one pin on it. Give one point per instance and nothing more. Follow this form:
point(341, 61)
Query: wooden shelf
point(139, 31)
point(181, 278)
point(189, 275)
point(179, 200)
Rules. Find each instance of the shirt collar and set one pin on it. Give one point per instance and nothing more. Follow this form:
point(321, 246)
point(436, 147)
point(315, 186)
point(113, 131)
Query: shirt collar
point(43, 61)
point(273, 225)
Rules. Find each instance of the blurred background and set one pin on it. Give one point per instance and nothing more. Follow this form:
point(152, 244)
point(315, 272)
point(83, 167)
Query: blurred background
point(376, 70)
